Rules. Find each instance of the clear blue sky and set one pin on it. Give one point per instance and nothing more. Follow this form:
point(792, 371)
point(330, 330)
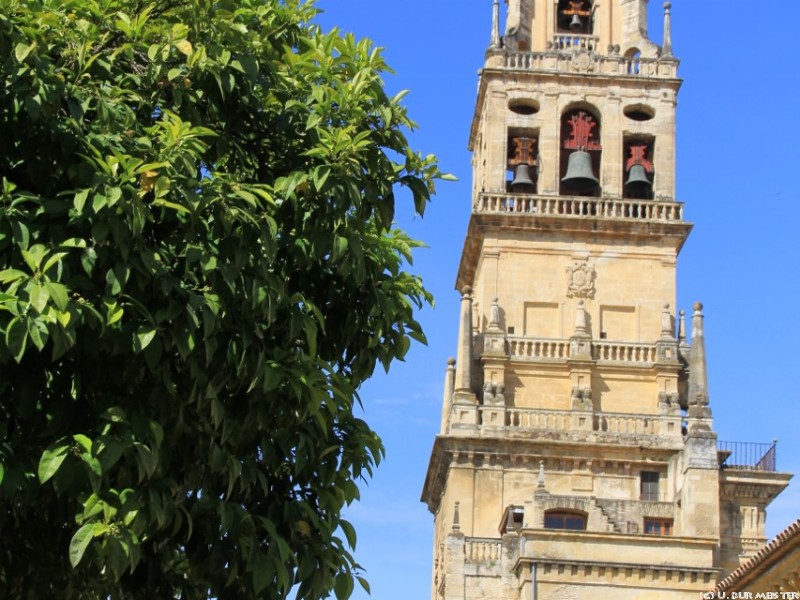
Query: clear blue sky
point(737, 171)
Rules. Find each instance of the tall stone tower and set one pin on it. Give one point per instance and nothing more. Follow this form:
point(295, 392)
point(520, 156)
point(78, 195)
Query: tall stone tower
point(577, 456)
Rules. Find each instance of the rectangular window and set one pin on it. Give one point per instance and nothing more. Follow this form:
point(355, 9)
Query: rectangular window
point(649, 486)
point(564, 520)
point(657, 526)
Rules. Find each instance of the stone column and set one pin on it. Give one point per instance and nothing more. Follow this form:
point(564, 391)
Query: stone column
point(463, 379)
point(447, 400)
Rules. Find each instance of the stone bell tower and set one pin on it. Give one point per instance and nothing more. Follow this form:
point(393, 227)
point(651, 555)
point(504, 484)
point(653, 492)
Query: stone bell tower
point(577, 456)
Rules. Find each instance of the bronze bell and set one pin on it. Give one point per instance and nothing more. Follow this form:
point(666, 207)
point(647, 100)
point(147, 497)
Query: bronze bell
point(576, 24)
point(638, 185)
point(579, 175)
point(522, 181)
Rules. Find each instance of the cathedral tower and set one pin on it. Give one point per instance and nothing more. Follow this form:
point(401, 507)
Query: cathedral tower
point(577, 449)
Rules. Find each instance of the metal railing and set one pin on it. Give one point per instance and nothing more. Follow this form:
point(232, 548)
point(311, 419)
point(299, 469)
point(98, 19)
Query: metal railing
point(751, 456)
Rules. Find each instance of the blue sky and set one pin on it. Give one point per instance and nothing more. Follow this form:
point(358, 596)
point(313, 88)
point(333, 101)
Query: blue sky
point(737, 173)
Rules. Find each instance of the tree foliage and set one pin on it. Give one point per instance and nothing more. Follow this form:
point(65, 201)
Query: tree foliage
point(198, 269)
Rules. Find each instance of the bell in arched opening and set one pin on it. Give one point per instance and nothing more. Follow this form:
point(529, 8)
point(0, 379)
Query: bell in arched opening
point(580, 175)
point(522, 181)
point(638, 184)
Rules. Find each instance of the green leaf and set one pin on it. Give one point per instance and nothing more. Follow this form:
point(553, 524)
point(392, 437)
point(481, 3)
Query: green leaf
point(262, 574)
point(144, 335)
point(114, 311)
point(37, 331)
point(51, 460)
point(17, 337)
point(349, 533)
point(79, 543)
point(343, 586)
point(39, 297)
point(22, 50)
point(58, 294)
point(364, 584)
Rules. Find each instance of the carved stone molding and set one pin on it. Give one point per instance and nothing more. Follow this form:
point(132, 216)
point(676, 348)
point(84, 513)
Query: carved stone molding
point(580, 280)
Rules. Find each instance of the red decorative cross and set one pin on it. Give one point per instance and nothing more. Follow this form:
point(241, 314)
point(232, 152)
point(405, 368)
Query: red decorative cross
point(523, 151)
point(582, 135)
point(638, 158)
point(576, 8)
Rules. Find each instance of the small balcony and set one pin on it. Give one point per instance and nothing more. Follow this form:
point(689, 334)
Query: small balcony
point(578, 207)
point(570, 53)
point(748, 456)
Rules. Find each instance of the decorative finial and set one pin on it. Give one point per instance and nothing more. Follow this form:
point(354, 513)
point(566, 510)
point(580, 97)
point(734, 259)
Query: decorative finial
point(541, 475)
point(580, 319)
point(698, 374)
point(495, 43)
point(682, 327)
point(494, 315)
point(666, 323)
point(451, 362)
point(666, 51)
point(456, 519)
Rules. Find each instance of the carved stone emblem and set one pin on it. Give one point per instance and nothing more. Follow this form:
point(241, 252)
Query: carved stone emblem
point(580, 280)
point(583, 61)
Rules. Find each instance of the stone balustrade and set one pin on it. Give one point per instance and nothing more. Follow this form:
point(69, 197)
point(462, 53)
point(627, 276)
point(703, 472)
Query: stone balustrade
point(531, 419)
point(629, 424)
point(572, 42)
point(483, 549)
point(526, 418)
point(538, 349)
point(579, 207)
point(627, 353)
point(562, 58)
point(546, 349)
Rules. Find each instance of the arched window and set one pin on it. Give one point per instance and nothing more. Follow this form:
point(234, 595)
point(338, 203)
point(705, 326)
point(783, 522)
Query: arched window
point(580, 153)
point(574, 16)
point(564, 519)
point(632, 57)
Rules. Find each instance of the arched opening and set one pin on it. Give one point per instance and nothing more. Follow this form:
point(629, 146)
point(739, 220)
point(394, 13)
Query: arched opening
point(565, 519)
point(637, 166)
point(522, 161)
point(632, 57)
point(574, 17)
point(581, 153)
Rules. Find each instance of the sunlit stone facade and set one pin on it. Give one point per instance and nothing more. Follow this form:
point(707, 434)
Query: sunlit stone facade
point(577, 456)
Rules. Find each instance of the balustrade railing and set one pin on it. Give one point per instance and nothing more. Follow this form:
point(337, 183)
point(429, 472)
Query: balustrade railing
point(527, 348)
point(578, 207)
point(526, 418)
point(613, 423)
point(560, 58)
point(568, 41)
point(622, 423)
point(630, 353)
point(483, 549)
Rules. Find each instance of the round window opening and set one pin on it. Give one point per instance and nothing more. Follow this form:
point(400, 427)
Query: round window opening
point(639, 112)
point(524, 107)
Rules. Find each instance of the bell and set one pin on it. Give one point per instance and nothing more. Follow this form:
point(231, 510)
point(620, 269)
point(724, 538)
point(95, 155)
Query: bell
point(638, 185)
point(576, 24)
point(522, 178)
point(580, 176)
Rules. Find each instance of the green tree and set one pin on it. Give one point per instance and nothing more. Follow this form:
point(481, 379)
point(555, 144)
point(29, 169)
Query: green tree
point(198, 269)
